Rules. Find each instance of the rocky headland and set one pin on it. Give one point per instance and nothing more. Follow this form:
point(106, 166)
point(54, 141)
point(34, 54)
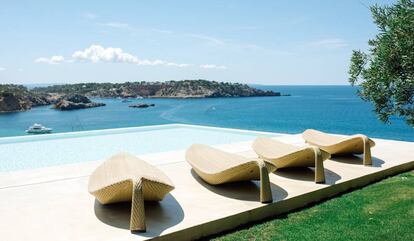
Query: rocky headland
point(76, 96)
point(168, 89)
point(18, 98)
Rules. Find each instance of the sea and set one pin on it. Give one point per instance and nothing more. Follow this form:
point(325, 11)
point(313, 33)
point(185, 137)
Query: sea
point(335, 109)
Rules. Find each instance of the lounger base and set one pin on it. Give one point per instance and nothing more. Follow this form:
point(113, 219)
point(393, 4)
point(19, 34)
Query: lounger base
point(319, 170)
point(137, 222)
point(265, 190)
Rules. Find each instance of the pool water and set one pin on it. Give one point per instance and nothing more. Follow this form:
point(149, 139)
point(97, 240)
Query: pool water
point(29, 152)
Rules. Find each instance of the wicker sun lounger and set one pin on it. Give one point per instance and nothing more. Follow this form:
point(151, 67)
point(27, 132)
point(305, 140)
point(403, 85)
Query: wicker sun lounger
point(216, 167)
point(283, 155)
point(125, 177)
point(341, 145)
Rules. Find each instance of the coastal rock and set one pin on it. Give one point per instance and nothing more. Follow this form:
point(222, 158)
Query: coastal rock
point(168, 89)
point(209, 89)
point(39, 99)
point(141, 105)
point(19, 98)
point(11, 102)
point(75, 96)
point(74, 102)
point(76, 99)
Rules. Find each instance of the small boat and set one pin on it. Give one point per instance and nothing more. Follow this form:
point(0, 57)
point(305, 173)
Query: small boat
point(126, 100)
point(139, 97)
point(38, 129)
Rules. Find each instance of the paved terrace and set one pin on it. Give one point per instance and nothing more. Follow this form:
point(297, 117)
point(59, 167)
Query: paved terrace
point(53, 203)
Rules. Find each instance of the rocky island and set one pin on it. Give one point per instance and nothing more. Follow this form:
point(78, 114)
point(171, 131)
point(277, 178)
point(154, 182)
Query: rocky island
point(76, 96)
point(74, 102)
point(141, 105)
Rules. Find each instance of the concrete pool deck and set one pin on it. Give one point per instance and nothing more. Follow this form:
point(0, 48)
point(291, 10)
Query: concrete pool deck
point(53, 203)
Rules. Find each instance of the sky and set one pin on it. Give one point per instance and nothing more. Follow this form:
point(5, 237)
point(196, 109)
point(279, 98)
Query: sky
point(262, 42)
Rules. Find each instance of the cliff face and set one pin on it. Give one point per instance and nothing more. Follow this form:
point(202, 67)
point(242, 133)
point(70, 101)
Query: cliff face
point(18, 98)
point(10, 102)
point(169, 89)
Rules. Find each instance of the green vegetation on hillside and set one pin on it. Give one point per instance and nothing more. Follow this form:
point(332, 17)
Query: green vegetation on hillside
point(19, 98)
point(13, 89)
point(169, 89)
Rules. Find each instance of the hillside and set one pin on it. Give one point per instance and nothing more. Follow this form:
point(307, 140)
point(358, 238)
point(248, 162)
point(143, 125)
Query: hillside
point(19, 98)
point(169, 89)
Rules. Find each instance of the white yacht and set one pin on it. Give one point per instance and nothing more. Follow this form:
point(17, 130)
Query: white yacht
point(38, 129)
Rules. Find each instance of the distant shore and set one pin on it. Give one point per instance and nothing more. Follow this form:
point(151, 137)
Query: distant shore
point(20, 98)
point(168, 89)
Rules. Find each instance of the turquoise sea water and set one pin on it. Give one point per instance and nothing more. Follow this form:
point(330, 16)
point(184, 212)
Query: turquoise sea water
point(36, 151)
point(329, 108)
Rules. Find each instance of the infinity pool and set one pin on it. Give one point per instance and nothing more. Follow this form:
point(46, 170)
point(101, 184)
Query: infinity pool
point(17, 153)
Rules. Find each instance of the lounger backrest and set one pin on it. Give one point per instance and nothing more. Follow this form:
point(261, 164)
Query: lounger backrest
point(270, 149)
point(124, 166)
point(212, 160)
point(321, 138)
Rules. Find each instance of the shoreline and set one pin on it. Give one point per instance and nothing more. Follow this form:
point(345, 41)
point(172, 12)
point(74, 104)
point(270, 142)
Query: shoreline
point(306, 108)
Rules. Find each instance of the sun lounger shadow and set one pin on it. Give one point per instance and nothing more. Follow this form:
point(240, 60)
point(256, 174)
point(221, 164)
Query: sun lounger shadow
point(159, 215)
point(242, 190)
point(307, 174)
point(356, 160)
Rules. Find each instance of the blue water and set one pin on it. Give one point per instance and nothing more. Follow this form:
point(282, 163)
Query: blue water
point(29, 152)
point(334, 109)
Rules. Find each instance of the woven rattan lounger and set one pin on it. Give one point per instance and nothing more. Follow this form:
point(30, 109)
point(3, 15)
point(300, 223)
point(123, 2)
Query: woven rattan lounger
point(341, 145)
point(216, 167)
point(283, 155)
point(125, 177)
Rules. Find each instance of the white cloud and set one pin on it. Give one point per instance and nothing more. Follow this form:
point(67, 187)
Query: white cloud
point(56, 59)
point(212, 66)
point(2, 69)
point(177, 65)
point(331, 43)
point(97, 53)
